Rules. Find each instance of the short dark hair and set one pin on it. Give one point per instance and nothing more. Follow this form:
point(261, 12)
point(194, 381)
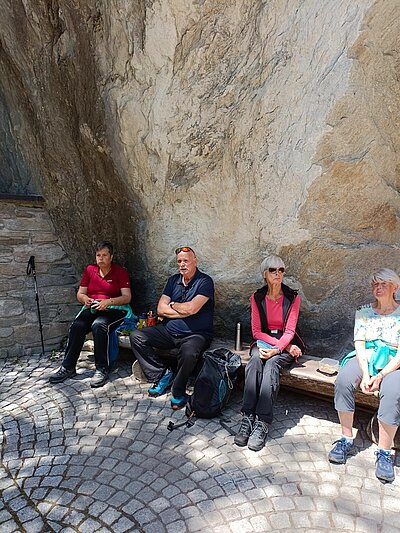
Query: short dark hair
point(105, 244)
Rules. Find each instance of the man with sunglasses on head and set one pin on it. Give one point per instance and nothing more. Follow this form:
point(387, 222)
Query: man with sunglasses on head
point(276, 344)
point(187, 307)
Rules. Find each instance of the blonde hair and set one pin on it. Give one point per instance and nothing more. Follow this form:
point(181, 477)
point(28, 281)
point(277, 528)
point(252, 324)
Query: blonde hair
point(385, 274)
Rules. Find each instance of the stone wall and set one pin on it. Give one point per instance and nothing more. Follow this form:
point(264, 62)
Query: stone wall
point(237, 127)
point(25, 230)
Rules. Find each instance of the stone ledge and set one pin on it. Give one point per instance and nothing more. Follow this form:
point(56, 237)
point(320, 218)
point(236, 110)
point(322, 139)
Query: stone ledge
point(26, 200)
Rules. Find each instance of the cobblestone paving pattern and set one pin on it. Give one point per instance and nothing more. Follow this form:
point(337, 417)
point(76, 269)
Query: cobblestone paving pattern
point(80, 459)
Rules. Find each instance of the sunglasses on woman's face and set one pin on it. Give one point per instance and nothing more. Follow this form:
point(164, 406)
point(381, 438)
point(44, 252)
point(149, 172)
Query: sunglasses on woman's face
point(183, 249)
point(279, 270)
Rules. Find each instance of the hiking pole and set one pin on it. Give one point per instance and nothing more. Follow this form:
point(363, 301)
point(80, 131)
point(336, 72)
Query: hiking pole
point(30, 269)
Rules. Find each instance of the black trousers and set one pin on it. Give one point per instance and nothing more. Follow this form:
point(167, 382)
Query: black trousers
point(101, 323)
point(262, 378)
point(143, 342)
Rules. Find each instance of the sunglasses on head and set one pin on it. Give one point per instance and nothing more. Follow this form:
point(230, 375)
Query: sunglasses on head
point(183, 249)
point(281, 270)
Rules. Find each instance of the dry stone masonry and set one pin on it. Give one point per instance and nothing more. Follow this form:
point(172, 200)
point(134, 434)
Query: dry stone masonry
point(25, 230)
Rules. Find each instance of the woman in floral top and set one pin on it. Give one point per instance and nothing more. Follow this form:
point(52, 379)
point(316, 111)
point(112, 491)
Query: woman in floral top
point(374, 366)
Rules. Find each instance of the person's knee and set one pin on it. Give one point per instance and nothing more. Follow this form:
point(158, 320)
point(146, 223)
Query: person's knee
point(193, 347)
point(271, 365)
point(189, 356)
point(343, 384)
point(77, 327)
point(99, 327)
point(137, 338)
point(389, 408)
point(389, 405)
point(255, 361)
point(254, 366)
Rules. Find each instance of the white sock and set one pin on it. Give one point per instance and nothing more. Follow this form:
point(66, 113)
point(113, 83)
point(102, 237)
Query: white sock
point(386, 451)
point(349, 439)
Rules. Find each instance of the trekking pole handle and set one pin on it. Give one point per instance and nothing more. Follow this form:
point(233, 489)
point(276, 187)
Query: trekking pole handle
point(30, 268)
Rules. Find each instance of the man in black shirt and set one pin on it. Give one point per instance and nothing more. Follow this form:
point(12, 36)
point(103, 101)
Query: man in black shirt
point(187, 306)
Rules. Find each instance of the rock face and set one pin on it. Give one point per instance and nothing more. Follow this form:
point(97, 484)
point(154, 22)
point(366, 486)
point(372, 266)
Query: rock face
point(238, 128)
point(27, 230)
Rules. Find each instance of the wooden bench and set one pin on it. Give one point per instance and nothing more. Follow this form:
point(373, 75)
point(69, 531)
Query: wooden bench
point(304, 376)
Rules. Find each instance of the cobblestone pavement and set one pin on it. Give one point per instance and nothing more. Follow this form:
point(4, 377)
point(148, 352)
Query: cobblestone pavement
point(80, 459)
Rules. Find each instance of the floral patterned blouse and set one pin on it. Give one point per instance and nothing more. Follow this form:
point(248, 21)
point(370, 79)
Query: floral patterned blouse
point(371, 326)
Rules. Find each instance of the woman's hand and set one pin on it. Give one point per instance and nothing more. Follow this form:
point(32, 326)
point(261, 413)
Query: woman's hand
point(370, 384)
point(364, 385)
point(294, 350)
point(374, 383)
point(102, 304)
point(267, 353)
point(87, 302)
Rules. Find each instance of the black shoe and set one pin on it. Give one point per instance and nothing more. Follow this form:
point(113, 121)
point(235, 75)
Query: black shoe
point(99, 379)
point(62, 374)
point(258, 436)
point(246, 427)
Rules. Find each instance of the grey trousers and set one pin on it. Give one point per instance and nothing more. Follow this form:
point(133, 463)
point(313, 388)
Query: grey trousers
point(349, 379)
point(261, 386)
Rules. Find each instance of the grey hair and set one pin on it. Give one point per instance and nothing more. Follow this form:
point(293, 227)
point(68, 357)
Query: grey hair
point(271, 261)
point(385, 274)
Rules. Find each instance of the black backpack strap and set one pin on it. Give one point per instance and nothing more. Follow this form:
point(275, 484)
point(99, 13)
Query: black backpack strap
point(192, 419)
point(188, 423)
point(223, 421)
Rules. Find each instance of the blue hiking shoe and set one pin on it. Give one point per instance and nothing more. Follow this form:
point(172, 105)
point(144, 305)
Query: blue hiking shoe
point(178, 402)
point(384, 466)
point(340, 451)
point(160, 388)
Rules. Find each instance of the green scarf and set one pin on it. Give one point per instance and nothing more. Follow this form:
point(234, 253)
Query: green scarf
point(380, 357)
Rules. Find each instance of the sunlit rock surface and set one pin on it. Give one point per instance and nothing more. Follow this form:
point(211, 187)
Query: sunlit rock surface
point(238, 128)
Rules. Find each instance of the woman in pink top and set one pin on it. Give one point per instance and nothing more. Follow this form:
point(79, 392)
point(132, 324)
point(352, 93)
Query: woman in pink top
point(277, 342)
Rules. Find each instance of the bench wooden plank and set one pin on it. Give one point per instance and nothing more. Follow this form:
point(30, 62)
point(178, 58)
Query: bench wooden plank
point(304, 376)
